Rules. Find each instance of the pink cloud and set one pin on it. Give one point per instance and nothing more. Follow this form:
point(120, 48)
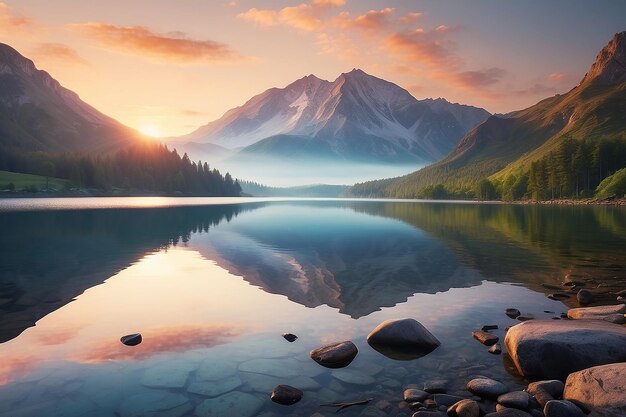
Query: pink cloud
point(411, 17)
point(58, 52)
point(11, 21)
point(304, 16)
point(139, 40)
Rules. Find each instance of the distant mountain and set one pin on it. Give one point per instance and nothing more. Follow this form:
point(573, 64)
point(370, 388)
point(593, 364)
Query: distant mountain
point(592, 111)
point(356, 117)
point(38, 114)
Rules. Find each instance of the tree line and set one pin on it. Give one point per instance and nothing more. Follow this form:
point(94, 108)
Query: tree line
point(141, 168)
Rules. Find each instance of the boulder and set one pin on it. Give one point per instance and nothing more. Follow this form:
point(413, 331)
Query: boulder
point(556, 348)
point(402, 339)
point(486, 387)
point(612, 314)
point(286, 395)
point(561, 408)
point(600, 388)
point(464, 408)
point(336, 355)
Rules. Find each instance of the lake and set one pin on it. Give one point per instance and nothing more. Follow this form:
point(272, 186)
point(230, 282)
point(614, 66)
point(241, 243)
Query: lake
point(212, 284)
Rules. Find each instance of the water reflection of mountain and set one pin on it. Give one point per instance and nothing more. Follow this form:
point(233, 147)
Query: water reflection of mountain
point(324, 254)
point(48, 258)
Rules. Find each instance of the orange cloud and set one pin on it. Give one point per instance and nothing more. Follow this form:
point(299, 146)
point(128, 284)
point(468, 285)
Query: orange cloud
point(420, 46)
point(58, 52)
point(557, 76)
point(304, 16)
point(478, 79)
point(411, 17)
point(139, 40)
point(9, 21)
point(371, 21)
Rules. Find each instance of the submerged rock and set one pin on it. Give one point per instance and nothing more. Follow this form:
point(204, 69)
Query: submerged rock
point(337, 355)
point(554, 387)
point(600, 387)
point(485, 338)
point(402, 339)
point(436, 386)
point(215, 388)
point(561, 408)
point(612, 314)
point(350, 376)
point(555, 348)
point(412, 395)
point(509, 412)
point(512, 312)
point(495, 349)
point(515, 399)
point(286, 395)
point(155, 403)
point(234, 403)
point(131, 339)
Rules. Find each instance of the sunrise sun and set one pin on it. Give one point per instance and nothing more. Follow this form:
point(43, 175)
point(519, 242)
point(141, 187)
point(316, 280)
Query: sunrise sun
point(150, 130)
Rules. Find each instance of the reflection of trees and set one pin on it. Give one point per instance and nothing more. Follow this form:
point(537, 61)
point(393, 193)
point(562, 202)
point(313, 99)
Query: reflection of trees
point(48, 258)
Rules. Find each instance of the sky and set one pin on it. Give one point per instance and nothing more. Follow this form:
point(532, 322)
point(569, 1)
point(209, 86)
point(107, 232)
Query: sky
point(166, 67)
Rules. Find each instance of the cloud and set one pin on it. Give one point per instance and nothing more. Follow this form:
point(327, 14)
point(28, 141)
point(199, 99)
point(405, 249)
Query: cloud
point(304, 16)
point(478, 79)
point(557, 76)
point(371, 21)
point(192, 113)
point(420, 46)
point(58, 52)
point(139, 40)
point(411, 17)
point(10, 21)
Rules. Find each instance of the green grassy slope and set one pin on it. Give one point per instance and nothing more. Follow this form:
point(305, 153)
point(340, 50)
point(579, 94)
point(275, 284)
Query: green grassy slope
point(24, 181)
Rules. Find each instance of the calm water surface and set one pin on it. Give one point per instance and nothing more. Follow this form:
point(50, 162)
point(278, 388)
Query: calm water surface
point(213, 283)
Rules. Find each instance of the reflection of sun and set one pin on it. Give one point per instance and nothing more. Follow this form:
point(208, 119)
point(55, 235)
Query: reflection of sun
point(150, 130)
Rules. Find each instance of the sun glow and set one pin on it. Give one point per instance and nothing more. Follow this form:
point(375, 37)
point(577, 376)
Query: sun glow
point(150, 130)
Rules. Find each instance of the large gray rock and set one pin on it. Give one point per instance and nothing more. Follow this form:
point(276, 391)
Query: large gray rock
point(612, 314)
point(402, 339)
point(336, 355)
point(555, 348)
point(600, 388)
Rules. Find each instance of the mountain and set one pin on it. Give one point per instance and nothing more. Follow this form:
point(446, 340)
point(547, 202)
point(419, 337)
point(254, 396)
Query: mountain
point(356, 117)
point(501, 146)
point(38, 114)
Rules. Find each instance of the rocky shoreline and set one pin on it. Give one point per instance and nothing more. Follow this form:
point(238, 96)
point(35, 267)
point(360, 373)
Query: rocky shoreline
point(574, 202)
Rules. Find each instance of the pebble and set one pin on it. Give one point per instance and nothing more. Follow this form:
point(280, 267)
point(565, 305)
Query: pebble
point(337, 355)
point(512, 312)
point(290, 337)
point(584, 297)
point(436, 386)
point(562, 408)
point(286, 395)
point(554, 387)
point(515, 399)
point(485, 338)
point(412, 395)
point(131, 339)
point(486, 387)
point(495, 349)
point(464, 408)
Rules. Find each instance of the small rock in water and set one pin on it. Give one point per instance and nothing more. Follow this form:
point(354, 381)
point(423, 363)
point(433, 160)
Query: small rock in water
point(486, 387)
point(554, 387)
point(558, 296)
point(549, 312)
point(584, 297)
point(525, 317)
point(412, 395)
point(336, 355)
point(290, 337)
point(515, 399)
point(488, 327)
point(512, 312)
point(464, 408)
point(446, 399)
point(495, 349)
point(286, 395)
point(131, 339)
point(509, 412)
point(402, 339)
point(485, 338)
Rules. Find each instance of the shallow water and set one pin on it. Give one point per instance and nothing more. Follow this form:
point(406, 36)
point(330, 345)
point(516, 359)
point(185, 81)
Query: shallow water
point(212, 288)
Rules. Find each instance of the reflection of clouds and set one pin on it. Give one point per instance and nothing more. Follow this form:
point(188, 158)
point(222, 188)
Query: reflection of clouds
point(158, 340)
point(57, 337)
point(13, 367)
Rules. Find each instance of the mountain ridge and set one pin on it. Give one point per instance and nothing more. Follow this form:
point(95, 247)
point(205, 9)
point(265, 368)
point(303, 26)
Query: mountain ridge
point(357, 113)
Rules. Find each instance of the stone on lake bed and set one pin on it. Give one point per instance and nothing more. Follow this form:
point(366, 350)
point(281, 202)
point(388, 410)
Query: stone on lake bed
point(509, 412)
point(155, 403)
point(556, 348)
point(235, 403)
point(485, 338)
point(286, 395)
point(282, 368)
point(215, 388)
point(436, 386)
point(488, 327)
point(350, 376)
point(612, 313)
point(336, 355)
point(512, 312)
point(525, 317)
point(215, 369)
point(486, 387)
point(290, 337)
point(173, 374)
point(131, 339)
point(402, 339)
point(554, 387)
